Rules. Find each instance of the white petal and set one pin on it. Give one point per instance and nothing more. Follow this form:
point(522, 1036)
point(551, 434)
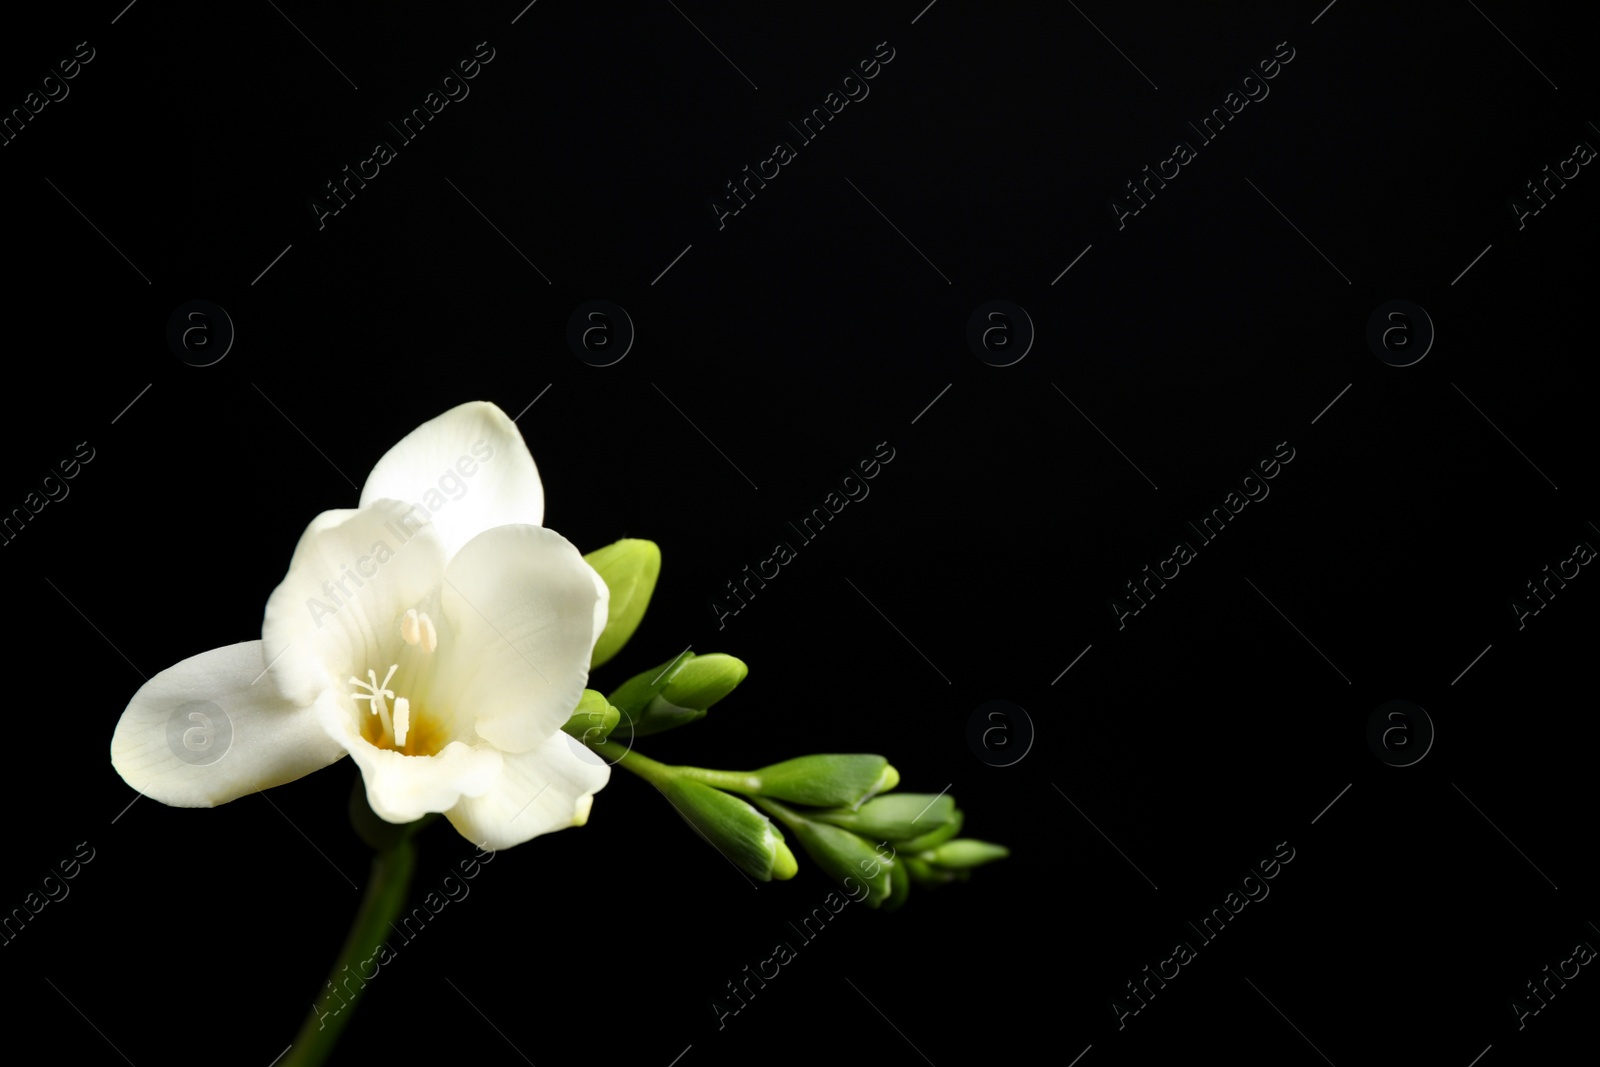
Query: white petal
point(524, 611)
point(403, 789)
point(339, 605)
point(546, 788)
point(469, 468)
point(200, 734)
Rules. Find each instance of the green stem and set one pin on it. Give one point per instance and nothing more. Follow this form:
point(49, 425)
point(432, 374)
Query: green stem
point(387, 887)
point(733, 781)
point(785, 816)
point(658, 773)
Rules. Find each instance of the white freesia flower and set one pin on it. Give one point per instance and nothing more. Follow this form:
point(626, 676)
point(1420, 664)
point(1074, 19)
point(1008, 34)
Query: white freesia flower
point(438, 634)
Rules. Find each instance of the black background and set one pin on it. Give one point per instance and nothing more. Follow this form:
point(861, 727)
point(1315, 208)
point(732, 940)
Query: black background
point(1177, 751)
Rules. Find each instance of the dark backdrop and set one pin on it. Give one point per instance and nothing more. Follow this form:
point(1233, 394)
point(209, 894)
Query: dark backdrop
point(1172, 748)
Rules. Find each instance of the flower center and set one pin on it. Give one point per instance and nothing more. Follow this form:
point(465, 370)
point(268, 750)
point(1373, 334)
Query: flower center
point(407, 727)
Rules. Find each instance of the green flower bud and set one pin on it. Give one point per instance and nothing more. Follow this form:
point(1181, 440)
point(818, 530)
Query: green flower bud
point(677, 692)
point(965, 853)
point(899, 889)
point(894, 817)
point(594, 718)
point(699, 682)
point(827, 781)
point(935, 838)
point(630, 568)
point(784, 865)
point(634, 695)
point(845, 856)
point(737, 830)
point(658, 718)
point(926, 874)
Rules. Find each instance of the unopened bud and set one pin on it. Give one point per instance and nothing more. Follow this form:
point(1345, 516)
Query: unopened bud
point(895, 817)
point(594, 718)
point(826, 781)
point(737, 830)
point(629, 568)
point(966, 852)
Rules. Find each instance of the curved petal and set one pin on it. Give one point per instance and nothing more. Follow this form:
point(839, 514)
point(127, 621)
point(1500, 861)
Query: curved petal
point(352, 577)
point(403, 789)
point(469, 468)
point(200, 733)
point(549, 787)
point(525, 611)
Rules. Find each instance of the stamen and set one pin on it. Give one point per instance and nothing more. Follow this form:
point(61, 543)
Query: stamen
point(402, 721)
point(375, 692)
point(417, 629)
point(392, 668)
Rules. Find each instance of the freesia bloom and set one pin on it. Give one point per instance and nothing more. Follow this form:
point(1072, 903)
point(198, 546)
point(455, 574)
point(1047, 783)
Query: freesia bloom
point(438, 635)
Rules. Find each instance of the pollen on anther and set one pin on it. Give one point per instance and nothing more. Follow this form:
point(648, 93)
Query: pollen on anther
point(430, 635)
point(410, 627)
